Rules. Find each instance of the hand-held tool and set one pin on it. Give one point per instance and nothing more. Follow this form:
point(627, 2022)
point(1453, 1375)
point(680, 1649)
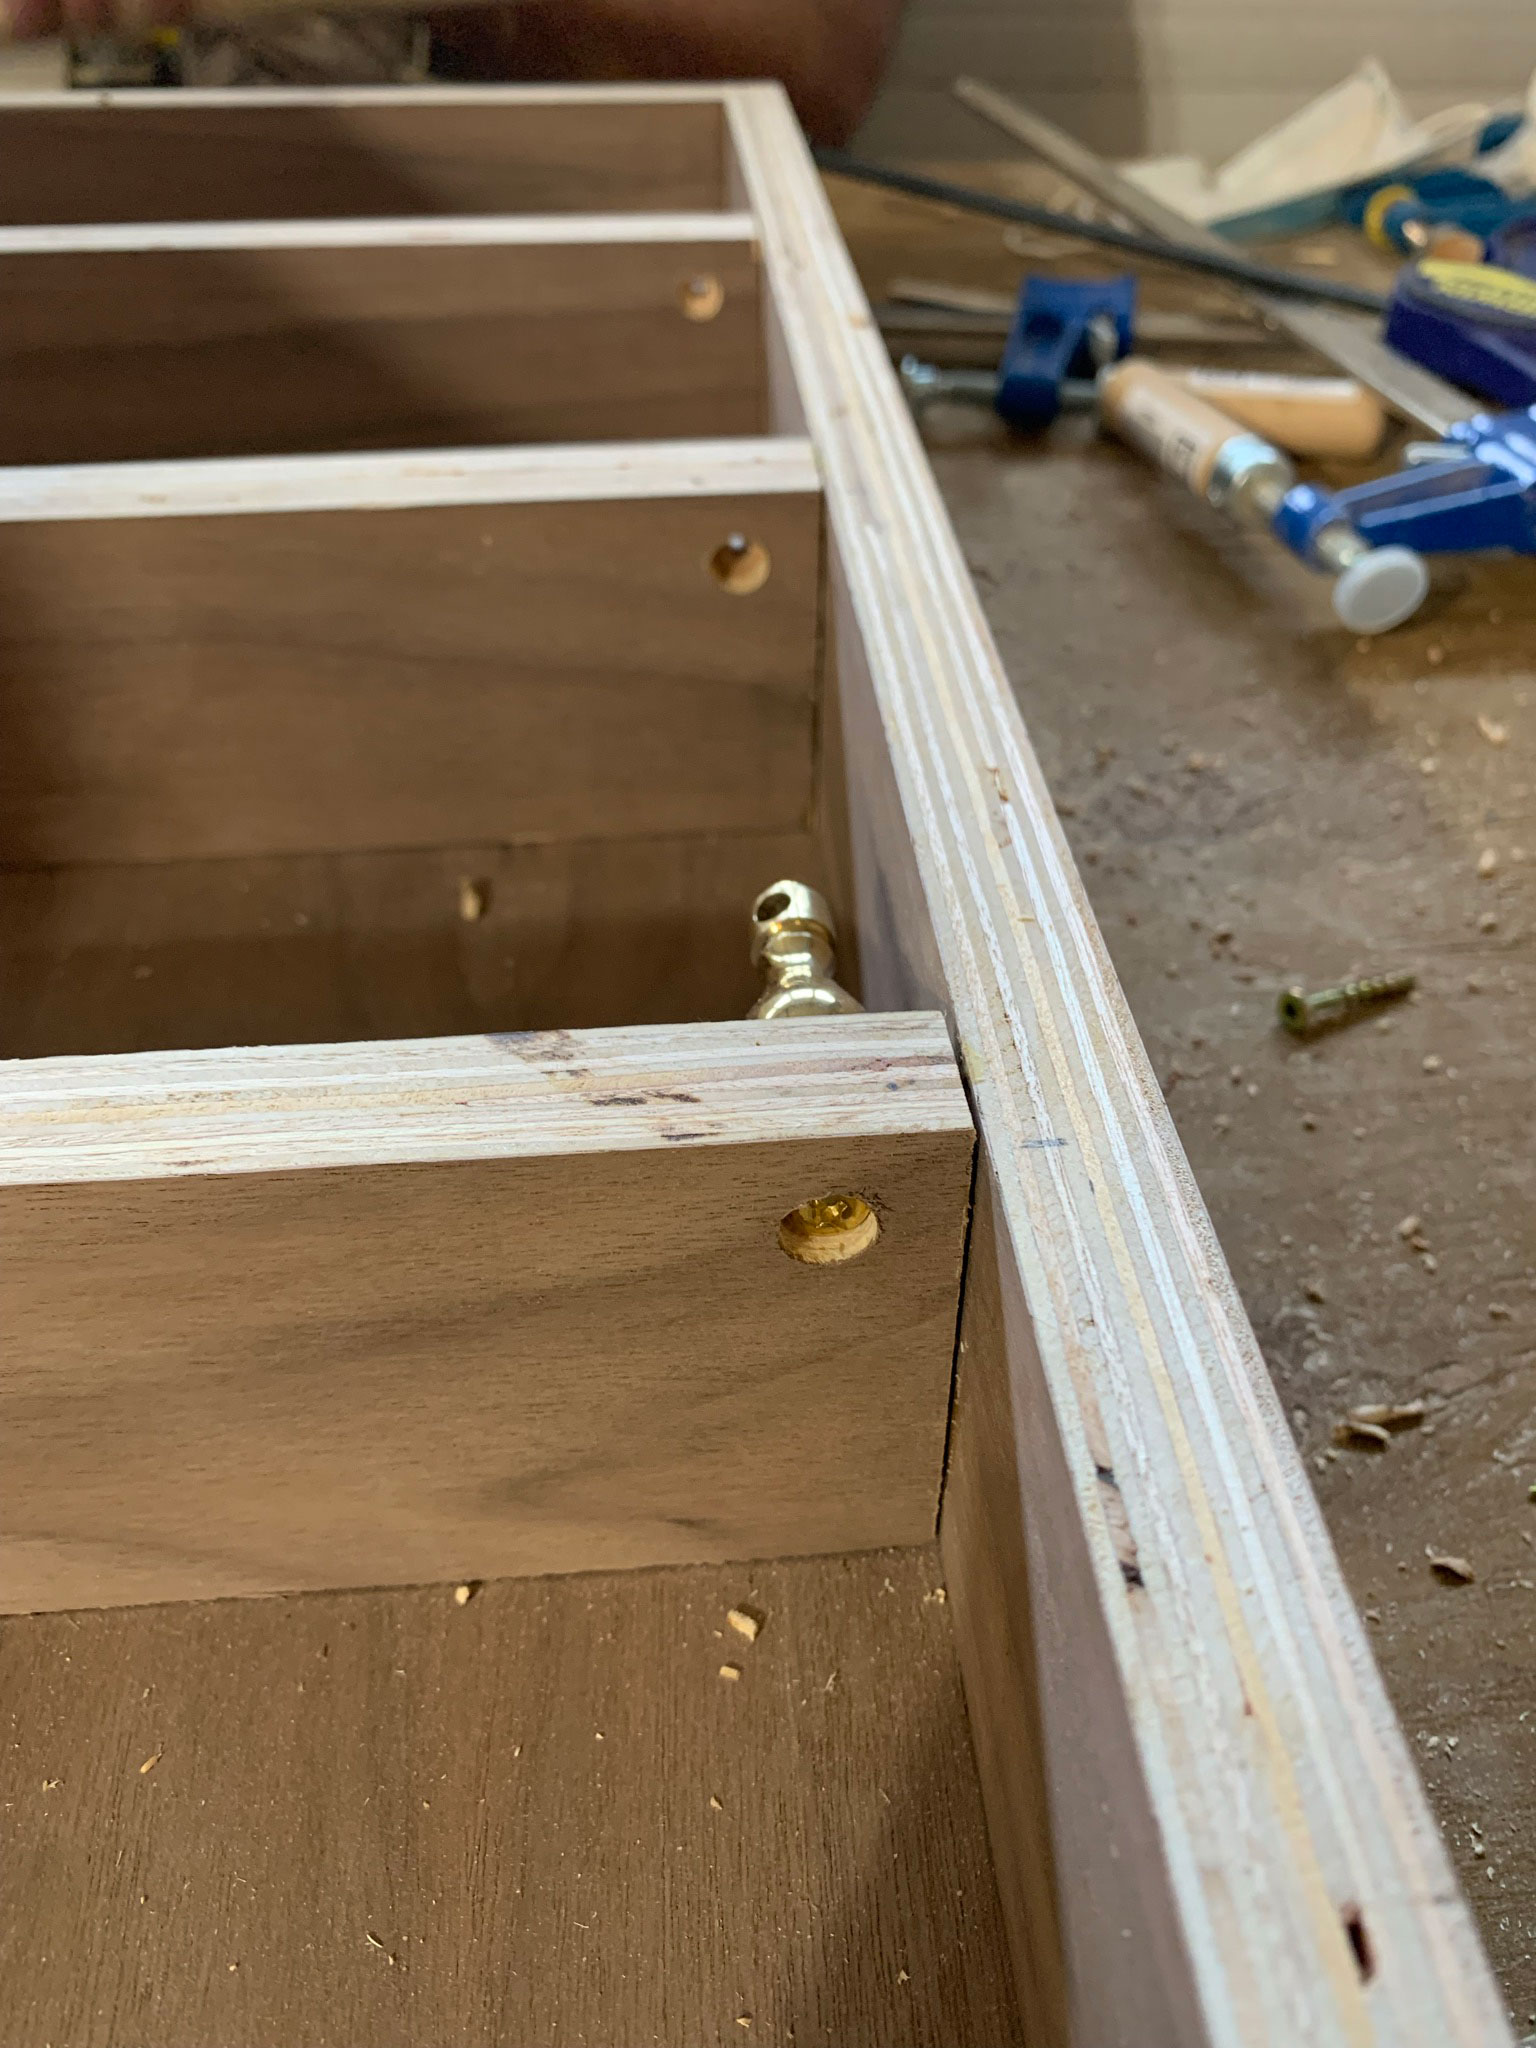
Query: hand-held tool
point(1352, 345)
point(1215, 259)
point(1474, 323)
point(1471, 493)
point(1247, 478)
point(1447, 212)
point(1065, 330)
point(1306, 415)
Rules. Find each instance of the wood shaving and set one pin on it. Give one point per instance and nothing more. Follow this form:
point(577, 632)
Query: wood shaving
point(1455, 1571)
point(1392, 1415)
point(745, 1623)
point(474, 899)
point(1488, 862)
point(1491, 730)
point(462, 1595)
point(716, 1805)
point(730, 1673)
point(1410, 1226)
point(1360, 1436)
point(150, 1762)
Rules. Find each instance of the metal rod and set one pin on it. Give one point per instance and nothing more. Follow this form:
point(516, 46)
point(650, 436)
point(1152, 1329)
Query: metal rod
point(1353, 345)
point(1218, 262)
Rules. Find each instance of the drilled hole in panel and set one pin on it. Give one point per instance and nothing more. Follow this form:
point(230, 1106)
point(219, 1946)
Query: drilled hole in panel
point(701, 297)
point(740, 565)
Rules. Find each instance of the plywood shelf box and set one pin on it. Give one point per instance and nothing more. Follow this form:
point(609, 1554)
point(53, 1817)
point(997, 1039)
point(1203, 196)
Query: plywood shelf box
point(391, 1181)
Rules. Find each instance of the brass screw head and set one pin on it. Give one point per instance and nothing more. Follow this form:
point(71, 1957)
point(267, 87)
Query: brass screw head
point(829, 1229)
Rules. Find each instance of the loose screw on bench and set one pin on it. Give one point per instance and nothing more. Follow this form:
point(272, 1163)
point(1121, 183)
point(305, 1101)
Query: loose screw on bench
point(1302, 1013)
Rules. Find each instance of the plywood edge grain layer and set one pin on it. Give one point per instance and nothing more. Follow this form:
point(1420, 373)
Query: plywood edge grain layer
point(1243, 1852)
point(568, 473)
point(240, 99)
point(517, 1095)
point(431, 231)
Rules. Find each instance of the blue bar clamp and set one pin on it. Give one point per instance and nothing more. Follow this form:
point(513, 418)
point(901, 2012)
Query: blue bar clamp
point(1064, 331)
point(1471, 493)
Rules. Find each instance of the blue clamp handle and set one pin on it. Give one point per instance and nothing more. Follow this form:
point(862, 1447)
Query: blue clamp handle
point(1049, 342)
point(1478, 495)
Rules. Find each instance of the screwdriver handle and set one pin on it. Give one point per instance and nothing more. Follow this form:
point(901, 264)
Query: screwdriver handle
point(1157, 414)
point(1307, 415)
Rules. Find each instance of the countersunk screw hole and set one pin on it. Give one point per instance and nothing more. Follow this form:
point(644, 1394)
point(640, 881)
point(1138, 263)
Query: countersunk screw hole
point(829, 1230)
point(740, 565)
point(701, 297)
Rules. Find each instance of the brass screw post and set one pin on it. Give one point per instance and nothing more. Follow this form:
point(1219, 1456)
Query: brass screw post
point(792, 940)
point(1302, 1013)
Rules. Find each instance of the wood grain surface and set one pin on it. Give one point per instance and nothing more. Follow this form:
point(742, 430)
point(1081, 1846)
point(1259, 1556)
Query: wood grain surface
point(1075, 1843)
point(329, 681)
point(373, 1315)
point(143, 156)
point(303, 950)
point(384, 1818)
point(289, 340)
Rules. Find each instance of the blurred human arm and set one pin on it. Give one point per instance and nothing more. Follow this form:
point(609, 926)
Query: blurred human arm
point(829, 54)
